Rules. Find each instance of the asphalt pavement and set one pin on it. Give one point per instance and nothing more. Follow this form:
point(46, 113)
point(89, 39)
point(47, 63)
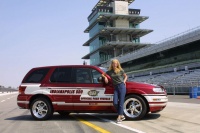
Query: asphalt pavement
point(181, 115)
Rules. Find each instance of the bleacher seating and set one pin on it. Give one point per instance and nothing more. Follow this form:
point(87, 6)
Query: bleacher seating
point(182, 81)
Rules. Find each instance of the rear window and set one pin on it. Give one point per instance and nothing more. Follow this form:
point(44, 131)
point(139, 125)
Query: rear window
point(36, 76)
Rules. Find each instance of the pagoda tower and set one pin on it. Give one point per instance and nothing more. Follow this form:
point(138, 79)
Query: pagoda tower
point(114, 30)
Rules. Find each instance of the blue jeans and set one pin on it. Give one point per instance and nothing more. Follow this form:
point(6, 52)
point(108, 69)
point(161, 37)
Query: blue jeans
point(118, 99)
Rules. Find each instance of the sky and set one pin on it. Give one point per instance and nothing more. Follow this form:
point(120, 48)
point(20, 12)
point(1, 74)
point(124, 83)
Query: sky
point(36, 33)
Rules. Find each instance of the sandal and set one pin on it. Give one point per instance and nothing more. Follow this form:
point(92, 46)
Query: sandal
point(123, 118)
point(119, 121)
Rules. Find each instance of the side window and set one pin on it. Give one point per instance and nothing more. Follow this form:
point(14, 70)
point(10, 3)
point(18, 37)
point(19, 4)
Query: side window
point(86, 75)
point(36, 76)
point(61, 75)
point(83, 75)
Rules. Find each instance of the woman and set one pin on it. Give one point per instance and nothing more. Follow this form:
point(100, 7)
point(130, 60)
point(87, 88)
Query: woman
point(119, 78)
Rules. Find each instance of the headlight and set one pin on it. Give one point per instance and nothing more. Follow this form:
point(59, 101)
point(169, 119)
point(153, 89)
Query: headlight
point(158, 90)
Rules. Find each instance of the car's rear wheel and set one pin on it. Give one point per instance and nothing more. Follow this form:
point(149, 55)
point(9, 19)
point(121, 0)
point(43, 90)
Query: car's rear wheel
point(134, 107)
point(41, 109)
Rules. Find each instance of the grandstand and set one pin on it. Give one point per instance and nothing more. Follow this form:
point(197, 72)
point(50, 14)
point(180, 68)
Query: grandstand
point(173, 63)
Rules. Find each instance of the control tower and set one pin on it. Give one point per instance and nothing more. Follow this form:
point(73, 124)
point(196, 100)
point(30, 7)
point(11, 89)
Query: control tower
point(114, 30)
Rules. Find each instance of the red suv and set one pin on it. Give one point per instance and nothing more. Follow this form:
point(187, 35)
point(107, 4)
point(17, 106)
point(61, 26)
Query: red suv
point(80, 88)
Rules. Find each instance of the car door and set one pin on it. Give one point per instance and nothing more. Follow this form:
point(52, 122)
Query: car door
point(91, 95)
point(60, 88)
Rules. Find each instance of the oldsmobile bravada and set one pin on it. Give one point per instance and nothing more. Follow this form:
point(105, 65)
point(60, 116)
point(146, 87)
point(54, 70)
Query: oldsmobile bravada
point(80, 88)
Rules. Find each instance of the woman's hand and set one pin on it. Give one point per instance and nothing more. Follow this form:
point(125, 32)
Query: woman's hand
point(125, 78)
point(103, 75)
point(125, 84)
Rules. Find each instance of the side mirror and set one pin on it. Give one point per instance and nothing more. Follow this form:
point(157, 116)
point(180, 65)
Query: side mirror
point(100, 79)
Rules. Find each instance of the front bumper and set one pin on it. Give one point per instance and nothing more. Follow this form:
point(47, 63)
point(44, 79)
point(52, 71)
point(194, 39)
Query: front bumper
point(157, 102)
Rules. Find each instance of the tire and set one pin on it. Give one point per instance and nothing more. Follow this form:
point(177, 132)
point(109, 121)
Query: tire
point(135, 107)
point(63, 113)
point(41, 109)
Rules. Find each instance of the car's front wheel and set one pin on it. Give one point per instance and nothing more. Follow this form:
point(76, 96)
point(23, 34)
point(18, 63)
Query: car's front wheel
point(41, 109)
point(134, 107)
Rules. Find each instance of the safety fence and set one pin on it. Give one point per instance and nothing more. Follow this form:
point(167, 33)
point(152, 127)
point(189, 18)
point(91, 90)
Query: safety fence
point(193, 92)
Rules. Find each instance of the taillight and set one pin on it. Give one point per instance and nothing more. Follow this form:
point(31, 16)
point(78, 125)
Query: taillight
point(22, 89)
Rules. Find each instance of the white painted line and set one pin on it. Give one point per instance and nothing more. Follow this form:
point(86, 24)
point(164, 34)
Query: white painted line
point(126, 127)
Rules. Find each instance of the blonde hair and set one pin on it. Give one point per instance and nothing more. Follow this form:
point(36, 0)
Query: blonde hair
point(118, 69)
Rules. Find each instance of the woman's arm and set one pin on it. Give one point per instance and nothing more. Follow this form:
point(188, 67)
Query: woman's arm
point(105, 78)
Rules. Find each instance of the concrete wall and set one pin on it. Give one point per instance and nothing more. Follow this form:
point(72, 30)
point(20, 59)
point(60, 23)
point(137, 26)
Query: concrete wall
point(121, 7)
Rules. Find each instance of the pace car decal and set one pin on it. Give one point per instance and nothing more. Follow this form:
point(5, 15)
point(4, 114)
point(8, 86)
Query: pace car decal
point(86, 93)
point(95, 94)
point(66, 91)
